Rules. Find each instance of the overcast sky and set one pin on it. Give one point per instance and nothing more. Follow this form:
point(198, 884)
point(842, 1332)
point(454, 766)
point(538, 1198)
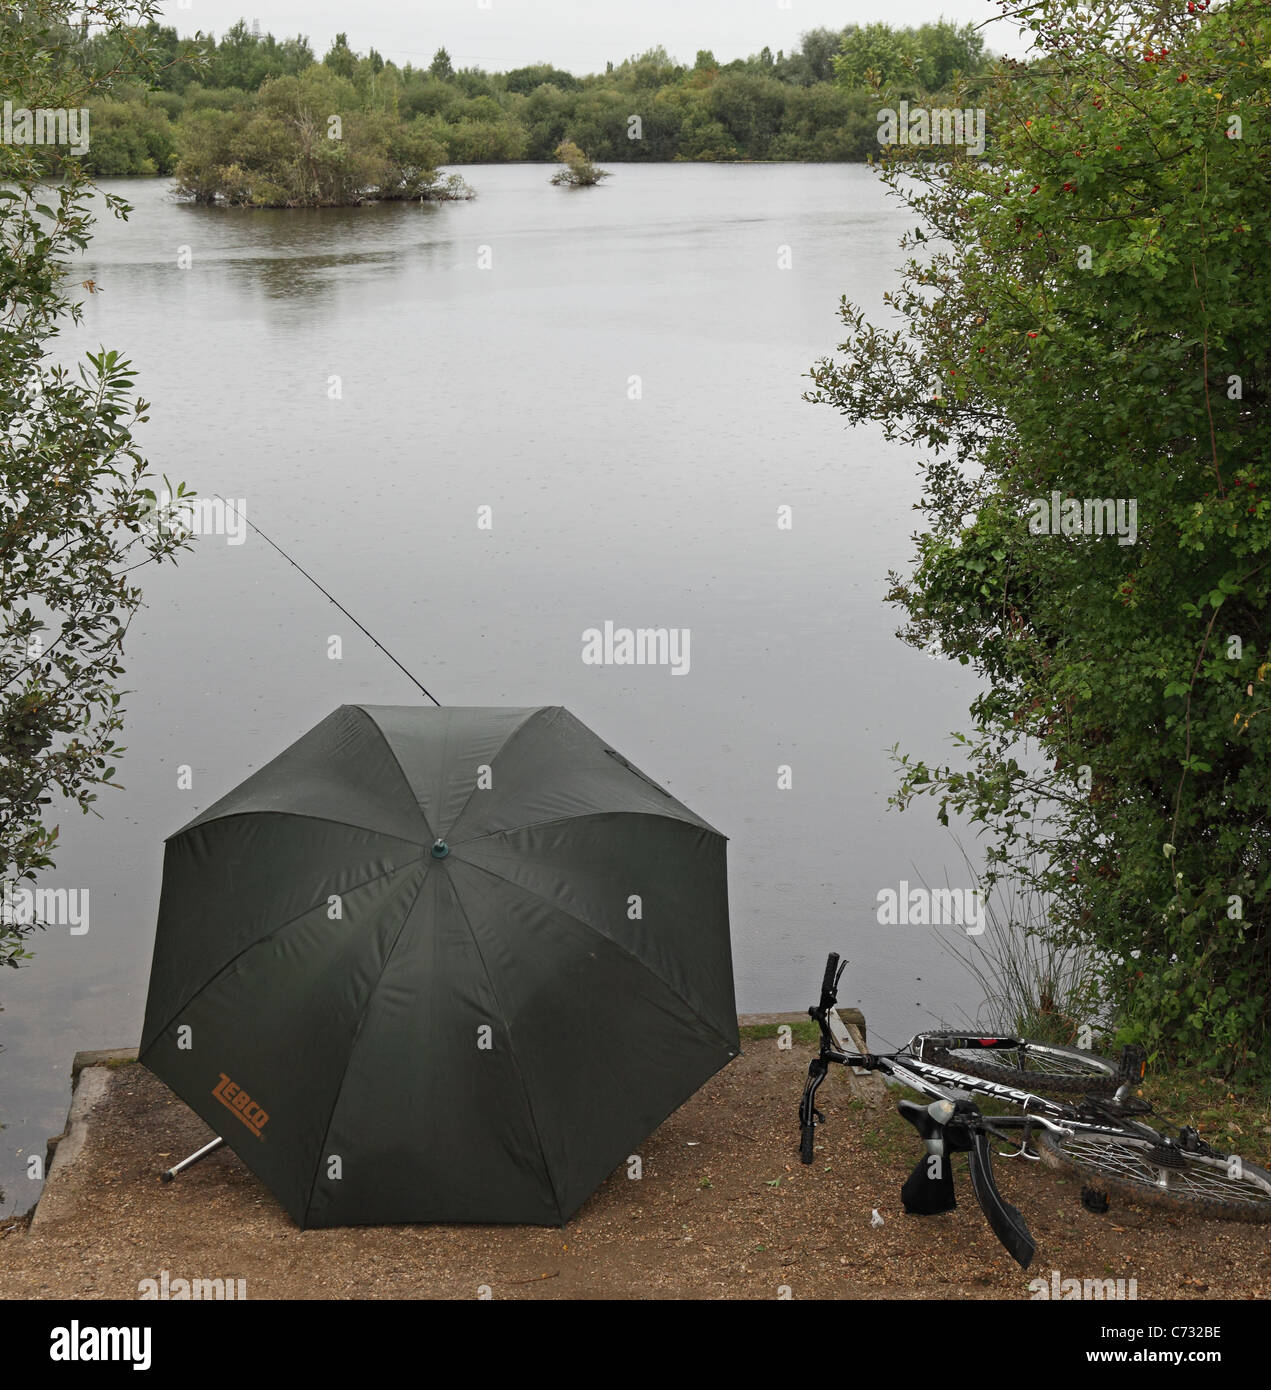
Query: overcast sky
point(578, 35)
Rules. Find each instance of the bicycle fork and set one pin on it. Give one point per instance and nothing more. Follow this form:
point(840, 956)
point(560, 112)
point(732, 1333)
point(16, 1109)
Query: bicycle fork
point(809, 1115)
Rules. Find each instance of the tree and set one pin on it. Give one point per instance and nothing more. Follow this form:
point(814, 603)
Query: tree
point(652, 68)
point(578, 170)
point(340, 58)
point(129, 137)
point(943, 49)
point(283, 149)
point(826, 122)
point(427, 95)
point(77, 516)
point(526, 80)
point(236, 58)
point(1084, 323)
point(441, 66)
point(470, 141)
point(750, 108)
point(877, 48)
point(473, 82)
point(704, 138)
point(173, 61)
point(598, 121)
point(546, 115)
point(818, 47)
point(921, 59)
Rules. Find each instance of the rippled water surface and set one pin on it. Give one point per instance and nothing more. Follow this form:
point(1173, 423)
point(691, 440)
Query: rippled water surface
point(512, 388)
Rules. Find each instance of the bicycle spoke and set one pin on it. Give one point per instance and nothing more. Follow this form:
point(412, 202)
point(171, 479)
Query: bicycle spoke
point(1188, 1175)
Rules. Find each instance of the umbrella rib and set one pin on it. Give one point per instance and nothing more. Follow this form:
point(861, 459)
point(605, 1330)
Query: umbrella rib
point(282, 926)
point(588, 815)
point(525, 1090)
point(410, 791)
point(546, 709)
point(370, 995)
point(591, 926)
point(296, 815)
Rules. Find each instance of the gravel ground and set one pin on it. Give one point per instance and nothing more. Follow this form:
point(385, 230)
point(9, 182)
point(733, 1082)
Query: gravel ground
point(724, 1210)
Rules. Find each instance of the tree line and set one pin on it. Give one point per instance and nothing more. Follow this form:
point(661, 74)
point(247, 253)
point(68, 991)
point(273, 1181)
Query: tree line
point(218, 103)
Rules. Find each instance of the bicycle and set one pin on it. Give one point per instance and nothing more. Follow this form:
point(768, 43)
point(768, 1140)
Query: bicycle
point(1102, 1138)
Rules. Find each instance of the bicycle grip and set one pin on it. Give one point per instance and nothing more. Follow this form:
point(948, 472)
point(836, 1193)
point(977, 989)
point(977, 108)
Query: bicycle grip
point(827, 980)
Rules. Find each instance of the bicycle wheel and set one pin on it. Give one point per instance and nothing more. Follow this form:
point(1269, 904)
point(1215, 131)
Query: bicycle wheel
point(1140, 1170)
point(1034, 1067)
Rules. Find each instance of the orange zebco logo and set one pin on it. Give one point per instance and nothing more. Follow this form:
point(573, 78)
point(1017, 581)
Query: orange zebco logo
point(237, 1100)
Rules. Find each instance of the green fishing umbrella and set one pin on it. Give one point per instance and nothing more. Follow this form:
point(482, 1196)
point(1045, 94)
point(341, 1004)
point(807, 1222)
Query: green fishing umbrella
point(448, 964)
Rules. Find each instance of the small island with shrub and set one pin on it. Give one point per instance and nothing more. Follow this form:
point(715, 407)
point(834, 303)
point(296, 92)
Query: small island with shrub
point(576, 171)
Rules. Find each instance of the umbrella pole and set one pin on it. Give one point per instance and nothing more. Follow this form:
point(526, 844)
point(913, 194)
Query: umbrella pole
point(192, 1160)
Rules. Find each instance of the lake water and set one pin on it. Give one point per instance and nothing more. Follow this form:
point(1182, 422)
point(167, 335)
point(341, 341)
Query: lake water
point(511, 387)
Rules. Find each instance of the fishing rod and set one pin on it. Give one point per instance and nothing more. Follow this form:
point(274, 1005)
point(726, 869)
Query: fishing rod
point(211, 1147)
point(331, 598)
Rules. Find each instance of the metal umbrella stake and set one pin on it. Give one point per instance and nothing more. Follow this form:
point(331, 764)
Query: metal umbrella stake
point(196, 1157)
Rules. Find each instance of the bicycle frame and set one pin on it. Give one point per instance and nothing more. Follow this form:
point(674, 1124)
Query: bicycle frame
point(942, 1083)
point(953, 1123)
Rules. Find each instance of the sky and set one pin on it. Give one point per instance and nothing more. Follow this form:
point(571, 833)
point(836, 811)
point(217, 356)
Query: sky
point(577, 35)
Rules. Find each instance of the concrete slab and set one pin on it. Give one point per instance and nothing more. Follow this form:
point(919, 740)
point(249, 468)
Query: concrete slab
point(57, 1201)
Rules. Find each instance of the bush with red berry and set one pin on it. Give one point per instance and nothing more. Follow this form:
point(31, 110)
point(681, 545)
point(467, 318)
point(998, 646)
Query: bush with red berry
point(1100, 284)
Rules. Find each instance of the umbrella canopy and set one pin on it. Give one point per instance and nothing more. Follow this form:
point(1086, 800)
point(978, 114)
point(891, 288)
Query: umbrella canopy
point(441, 965)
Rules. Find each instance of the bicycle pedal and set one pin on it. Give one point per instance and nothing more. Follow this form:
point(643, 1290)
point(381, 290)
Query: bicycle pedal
point(1094, 1200)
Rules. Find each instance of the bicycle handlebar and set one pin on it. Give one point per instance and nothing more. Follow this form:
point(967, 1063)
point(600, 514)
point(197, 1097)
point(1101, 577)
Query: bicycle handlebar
point(828, 980)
